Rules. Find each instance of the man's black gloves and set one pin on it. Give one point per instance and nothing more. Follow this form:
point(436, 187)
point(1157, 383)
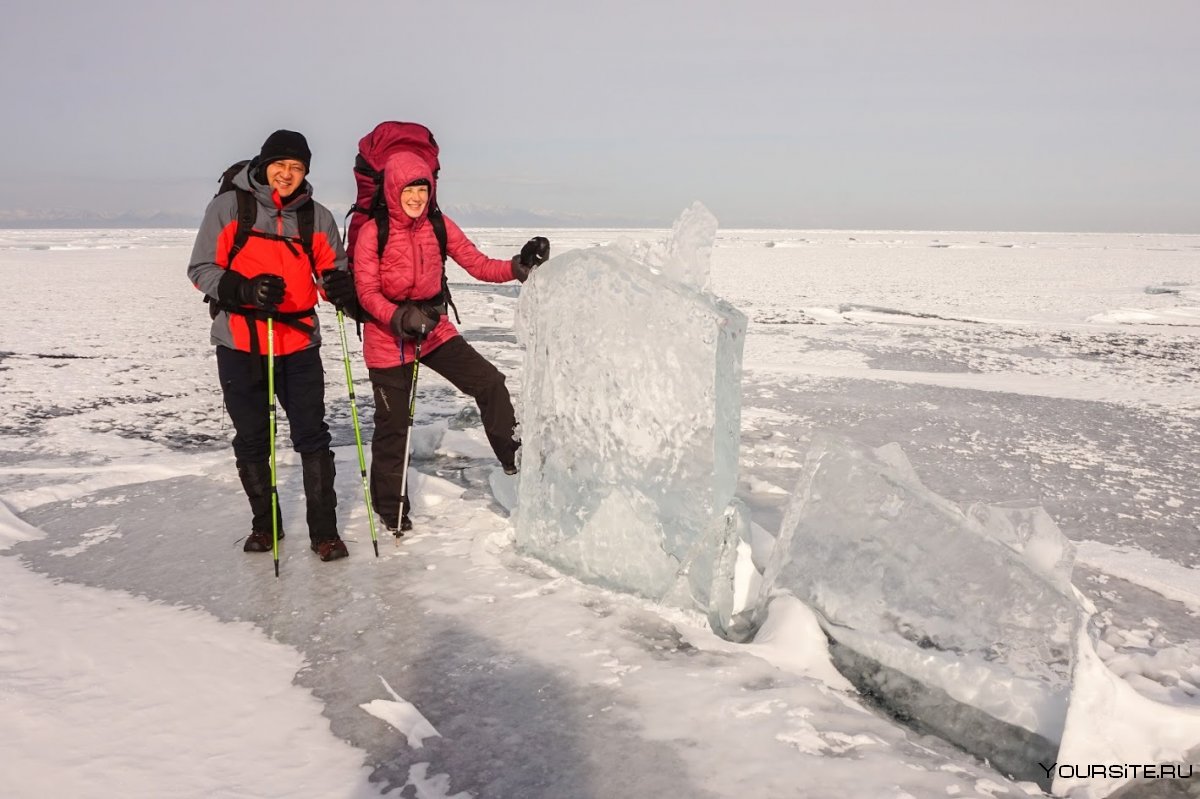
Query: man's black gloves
point(535, 253)
point(261, 291)
point(339, 288)
point(415, 320)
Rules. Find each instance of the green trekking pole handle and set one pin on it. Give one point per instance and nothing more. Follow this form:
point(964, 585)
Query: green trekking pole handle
point(362, 461)
point(271, 425)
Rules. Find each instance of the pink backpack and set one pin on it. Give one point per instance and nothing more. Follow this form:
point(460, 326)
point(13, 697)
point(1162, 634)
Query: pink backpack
point(374, 149)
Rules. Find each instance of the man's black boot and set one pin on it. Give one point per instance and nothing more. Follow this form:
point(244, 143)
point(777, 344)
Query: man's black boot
point(256, 482)
point(321, 501)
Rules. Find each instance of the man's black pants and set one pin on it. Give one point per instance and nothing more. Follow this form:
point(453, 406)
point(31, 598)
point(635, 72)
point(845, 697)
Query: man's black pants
point(300, 387)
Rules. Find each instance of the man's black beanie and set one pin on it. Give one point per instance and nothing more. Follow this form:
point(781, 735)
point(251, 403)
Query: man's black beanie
point(285, 144)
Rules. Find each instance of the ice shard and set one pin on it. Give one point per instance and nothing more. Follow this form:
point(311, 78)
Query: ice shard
point(1026, 528)
point(630, 415)
point(960, 622)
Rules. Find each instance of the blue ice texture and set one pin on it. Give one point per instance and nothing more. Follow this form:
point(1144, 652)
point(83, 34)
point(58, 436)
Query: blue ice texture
point(976, 603)
point(631, 410)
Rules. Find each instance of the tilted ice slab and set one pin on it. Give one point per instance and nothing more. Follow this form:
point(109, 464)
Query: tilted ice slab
point(962, 622)
point(630, 419)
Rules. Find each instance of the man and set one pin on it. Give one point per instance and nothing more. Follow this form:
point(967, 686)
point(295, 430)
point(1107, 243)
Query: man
point(273, 274)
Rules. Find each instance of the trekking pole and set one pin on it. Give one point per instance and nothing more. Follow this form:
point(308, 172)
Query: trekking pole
point(362, 463)
point(412, 412)
point(271, 423)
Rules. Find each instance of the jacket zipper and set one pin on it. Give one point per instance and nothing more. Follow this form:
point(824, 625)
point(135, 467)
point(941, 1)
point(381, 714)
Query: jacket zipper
point(417, 262)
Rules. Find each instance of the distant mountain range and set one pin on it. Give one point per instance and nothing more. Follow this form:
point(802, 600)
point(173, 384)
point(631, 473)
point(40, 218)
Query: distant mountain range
point(71, 218)
point(464, 215)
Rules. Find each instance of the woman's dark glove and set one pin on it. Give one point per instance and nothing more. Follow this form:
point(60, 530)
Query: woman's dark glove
point(414, 320)
point(535, 253)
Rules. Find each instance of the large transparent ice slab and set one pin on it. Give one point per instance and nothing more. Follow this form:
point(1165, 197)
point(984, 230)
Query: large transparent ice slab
point(630, 418)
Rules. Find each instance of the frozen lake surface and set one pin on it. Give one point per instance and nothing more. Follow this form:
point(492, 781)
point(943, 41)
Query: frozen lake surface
point(142, 648)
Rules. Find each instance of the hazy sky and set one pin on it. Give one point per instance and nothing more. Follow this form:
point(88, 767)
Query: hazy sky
point(952, 114)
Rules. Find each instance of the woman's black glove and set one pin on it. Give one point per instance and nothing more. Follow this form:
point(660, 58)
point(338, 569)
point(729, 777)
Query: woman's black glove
point(414, 320)
point(535, 253)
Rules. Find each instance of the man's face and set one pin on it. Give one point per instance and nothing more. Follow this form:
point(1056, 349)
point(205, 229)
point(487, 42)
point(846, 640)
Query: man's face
point(285, 176)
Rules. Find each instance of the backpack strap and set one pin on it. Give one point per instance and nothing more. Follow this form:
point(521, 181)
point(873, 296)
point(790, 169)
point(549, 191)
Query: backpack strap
point(247, 213)
point(380, 215)
point(439, 230)
point(306, 218)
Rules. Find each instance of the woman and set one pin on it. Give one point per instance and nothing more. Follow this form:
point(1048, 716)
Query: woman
point(402, 292)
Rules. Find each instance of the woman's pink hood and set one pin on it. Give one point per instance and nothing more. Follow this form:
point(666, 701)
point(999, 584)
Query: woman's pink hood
point(400, 170)
point(410, 267)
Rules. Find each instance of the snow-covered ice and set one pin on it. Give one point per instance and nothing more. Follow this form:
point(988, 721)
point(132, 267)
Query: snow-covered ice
point(143, 654)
